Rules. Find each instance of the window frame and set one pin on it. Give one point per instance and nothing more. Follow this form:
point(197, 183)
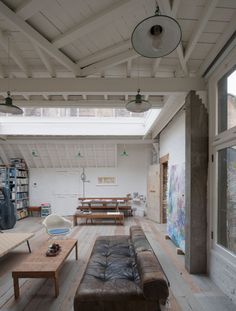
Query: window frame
point(217, 141)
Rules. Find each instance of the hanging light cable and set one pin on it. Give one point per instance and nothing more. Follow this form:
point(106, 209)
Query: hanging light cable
point(7, 106)
point(138, 104)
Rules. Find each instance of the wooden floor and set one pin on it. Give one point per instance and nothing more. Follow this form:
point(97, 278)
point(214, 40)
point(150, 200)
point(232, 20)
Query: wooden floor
point(187, 292)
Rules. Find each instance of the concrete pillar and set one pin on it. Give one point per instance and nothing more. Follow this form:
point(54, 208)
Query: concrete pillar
point(196, 184)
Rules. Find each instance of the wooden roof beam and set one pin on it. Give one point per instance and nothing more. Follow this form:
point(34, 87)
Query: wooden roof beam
point(45, 60)
point(37, 38)
point(14, 53)
point(106, 103)
point(91, 24)
point(155, 65)
point(96, 86)
point(166, 9)
point(105, 53)
point(207, 12)
point(109, 62)
point(28, 8)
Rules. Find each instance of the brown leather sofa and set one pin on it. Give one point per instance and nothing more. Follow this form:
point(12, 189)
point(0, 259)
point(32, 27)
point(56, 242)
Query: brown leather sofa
point(123, 274)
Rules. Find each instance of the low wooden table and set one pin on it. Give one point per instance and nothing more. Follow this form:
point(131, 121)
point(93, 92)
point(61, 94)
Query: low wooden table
point(107, 215)
point(38, 265)
point(9, 241)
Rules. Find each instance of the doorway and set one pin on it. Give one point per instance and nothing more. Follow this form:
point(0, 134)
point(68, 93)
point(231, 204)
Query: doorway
point(164, 187)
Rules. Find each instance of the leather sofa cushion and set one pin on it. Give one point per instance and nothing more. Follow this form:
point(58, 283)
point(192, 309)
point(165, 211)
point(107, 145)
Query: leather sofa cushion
point(139, 240)
point(153, 279)
point(111, 273)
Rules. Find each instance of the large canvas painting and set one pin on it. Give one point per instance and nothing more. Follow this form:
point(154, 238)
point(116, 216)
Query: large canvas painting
point(176, 205)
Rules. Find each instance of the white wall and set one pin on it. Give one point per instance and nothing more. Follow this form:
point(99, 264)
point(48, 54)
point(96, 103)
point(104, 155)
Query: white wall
point(172, 140)
point(62, 187)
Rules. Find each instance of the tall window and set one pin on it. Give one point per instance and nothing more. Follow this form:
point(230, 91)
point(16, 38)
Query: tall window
point(227, 101)
point(227, 198)
point(226, 225)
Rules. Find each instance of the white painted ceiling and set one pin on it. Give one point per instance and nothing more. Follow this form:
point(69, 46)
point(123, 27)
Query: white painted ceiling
point(77, 53)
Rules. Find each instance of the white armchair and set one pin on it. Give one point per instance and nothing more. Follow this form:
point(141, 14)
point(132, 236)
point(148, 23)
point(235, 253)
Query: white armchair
point(57, 225)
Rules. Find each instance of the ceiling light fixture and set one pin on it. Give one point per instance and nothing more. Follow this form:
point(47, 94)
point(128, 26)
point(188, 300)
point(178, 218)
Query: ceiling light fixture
point(34, 154)
point(156, 36)
point(7, 106)
point(124, 153)
point(138, 104)
point(79, 155)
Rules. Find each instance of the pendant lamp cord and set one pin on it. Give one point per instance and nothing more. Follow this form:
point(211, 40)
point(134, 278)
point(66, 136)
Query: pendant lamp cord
point(8, 64)
point(157, 12)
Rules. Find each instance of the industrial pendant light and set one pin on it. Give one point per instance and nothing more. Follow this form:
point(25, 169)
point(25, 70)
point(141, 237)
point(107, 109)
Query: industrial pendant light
point(138, 104)
point(124, 153)
point(7, 106)
point(34, 154)
point(79, 155)
point(156, 36)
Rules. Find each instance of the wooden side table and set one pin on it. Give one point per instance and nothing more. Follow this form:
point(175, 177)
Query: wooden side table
point(32, 209)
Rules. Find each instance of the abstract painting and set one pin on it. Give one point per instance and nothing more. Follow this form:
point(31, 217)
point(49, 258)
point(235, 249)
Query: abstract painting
point(176, 205)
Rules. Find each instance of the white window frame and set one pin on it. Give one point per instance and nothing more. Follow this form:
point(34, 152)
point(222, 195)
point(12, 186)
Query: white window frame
point(217, 142)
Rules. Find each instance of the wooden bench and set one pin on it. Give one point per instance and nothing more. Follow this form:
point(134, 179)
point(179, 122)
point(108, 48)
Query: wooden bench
point(127, 209)
point(116, 216)
point(125, 199)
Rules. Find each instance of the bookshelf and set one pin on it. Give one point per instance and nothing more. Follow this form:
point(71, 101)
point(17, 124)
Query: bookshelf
point(15, 177)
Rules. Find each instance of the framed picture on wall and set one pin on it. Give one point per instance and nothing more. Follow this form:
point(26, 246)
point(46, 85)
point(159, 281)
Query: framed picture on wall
point(106, 181)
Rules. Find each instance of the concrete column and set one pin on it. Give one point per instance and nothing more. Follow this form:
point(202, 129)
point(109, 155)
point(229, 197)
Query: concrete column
point(196, 184)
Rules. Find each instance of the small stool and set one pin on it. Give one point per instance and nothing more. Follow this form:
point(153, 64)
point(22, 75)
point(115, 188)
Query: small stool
point(32, 209)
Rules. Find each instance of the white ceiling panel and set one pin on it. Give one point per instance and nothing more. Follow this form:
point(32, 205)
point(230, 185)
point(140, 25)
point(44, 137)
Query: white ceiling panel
point(46, 155)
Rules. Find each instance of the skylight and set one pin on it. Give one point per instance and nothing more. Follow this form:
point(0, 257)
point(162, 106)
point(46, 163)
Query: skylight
point(78, 122)
point(78, 112)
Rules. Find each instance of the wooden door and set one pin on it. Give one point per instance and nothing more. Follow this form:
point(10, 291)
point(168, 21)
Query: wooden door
point(153, 193)
point(163, 188)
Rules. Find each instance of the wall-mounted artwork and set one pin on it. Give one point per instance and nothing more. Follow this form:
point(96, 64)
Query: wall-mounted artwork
point(106, 181)
point(176, 205)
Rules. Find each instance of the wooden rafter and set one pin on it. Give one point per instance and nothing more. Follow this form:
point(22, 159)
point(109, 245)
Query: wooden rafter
point(37, 38)
point(91, 24)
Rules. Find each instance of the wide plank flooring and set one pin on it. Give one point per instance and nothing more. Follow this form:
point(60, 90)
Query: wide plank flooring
point(187, 292)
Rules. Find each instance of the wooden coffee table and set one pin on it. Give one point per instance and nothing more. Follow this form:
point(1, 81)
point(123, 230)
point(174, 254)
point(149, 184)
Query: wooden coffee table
point(9, 241)
point(38, 265)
